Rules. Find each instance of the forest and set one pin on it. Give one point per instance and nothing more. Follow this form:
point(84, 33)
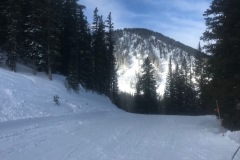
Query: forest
point(54, 36)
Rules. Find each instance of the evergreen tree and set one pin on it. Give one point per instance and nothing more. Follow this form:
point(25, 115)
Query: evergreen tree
point(72, 82)
point(95, 23)
point(173, 97)
point(204, 88)
point(69, 36)
point(180, 96)
point(146, 96)
point(126, 102)
point(223, 29)
point(33, 33)
point(115, 90)
point(3, 24)
point(99, 49)
point(111, 61)
point(52, 35)
point(189, 93)
point(84, 58)
point(199, 63)
point(169, 90)
point(178, 82)
point(14, 21)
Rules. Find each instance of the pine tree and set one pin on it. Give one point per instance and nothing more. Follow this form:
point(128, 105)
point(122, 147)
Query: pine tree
point(223, 29)
point(111, 61)
point(69, 37)
point(52, 35)
point(79, 55)
point(189, 93)
point(180, 96)
point(199, 63)
point(14, 22)
point(178, 99)
point(115, 90)
point(72, 82)
point(3, 24)
point(95, 23)
point(75, 53)
point(84, 58)
point(203, 87)
point(146, 96)
point(173, 98)
point(169, 90)
point(99, 49)
point(33, 33)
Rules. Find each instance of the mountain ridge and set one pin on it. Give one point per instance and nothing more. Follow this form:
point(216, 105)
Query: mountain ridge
point(164, 38)
point(133, 45)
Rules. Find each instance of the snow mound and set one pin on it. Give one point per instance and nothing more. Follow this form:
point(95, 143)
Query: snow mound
point(23, 95)
point(234, 136)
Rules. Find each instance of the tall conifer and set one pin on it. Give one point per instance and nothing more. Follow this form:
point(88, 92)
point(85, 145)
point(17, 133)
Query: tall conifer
point(14, 23)
point(223, 30)
point(99, 49)
point(84, 58)
point(3, 24)
point(33, 33)
point(146, 96)
point(111, 61)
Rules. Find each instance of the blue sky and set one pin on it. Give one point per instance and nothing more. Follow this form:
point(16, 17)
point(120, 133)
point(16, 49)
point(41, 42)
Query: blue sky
point(181, 20)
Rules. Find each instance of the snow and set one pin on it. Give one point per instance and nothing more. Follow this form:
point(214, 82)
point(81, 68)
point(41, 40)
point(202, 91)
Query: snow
point(23, 95)
point(87, 126)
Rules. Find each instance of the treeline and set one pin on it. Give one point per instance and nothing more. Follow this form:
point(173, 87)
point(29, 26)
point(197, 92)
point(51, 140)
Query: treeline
point(185, 90)
point(54, 36)
point(184, 93)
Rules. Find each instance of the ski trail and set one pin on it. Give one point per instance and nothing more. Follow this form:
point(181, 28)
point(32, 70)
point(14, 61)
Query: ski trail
point(104, 136)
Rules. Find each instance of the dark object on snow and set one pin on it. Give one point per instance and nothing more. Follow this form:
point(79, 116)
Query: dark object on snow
point(56, 100)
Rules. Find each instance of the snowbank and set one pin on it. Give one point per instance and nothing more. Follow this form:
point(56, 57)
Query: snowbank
point(23, 95)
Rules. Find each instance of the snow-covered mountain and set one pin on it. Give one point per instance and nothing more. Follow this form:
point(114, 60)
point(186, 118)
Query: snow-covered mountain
point(134, 45)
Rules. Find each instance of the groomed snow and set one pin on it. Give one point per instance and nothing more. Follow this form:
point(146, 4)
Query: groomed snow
point(87, 126)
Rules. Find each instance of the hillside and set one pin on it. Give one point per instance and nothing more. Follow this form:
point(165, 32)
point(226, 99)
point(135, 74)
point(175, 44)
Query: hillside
point(23, 95)
point(132, 46)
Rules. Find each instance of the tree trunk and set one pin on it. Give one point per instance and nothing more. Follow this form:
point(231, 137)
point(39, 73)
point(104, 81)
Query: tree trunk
point(49, 67)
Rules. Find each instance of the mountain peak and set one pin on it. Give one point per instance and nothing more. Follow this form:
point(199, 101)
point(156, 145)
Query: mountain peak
point(133, 45)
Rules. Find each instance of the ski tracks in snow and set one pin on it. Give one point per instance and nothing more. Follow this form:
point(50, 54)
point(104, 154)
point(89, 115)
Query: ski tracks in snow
point(105, 136)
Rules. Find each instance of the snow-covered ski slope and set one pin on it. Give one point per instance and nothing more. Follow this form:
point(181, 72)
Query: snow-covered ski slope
point(23, 95)
point(87, 126)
